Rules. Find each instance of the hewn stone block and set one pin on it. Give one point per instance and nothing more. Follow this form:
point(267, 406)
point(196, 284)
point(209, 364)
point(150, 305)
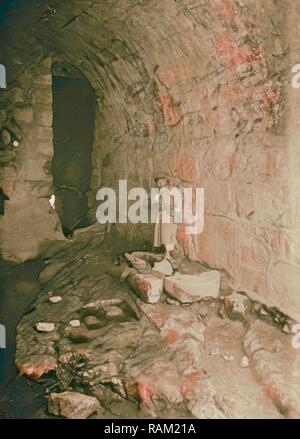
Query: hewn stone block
point(192, 288)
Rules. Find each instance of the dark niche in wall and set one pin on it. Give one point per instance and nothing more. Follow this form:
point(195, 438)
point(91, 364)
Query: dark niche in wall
point(74, 105)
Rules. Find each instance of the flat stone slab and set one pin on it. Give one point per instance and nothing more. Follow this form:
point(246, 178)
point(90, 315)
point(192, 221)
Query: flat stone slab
point(72, 405)
point(191, 288)
point(164, 267)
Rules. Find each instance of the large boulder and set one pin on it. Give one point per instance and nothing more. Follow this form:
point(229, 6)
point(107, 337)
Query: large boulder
point(72, 405)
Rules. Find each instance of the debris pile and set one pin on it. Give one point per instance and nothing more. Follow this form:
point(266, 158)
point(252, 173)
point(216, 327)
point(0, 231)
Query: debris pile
point(141, 339)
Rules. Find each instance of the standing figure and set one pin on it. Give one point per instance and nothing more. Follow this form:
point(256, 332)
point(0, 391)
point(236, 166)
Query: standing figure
point(3, 198)
point(165, 232)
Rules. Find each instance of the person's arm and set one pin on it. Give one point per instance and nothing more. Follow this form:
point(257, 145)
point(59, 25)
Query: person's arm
point(6, 197)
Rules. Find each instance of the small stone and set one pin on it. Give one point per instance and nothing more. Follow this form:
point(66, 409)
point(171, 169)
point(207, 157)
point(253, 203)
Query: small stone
point(245, 362)
point(214, 352)
point(203, 309)
point(257, 307)
point(55, 299)
point(74, 323)
point(148, 287)
point(72, 405)
point(287, 329)
point(45, 327)
point(222, 312)
point(228, 357)
point(16, 143)
point(238, 306)
point(164, 267)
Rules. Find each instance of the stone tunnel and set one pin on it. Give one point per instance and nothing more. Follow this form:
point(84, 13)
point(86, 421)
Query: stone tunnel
point(102, 91)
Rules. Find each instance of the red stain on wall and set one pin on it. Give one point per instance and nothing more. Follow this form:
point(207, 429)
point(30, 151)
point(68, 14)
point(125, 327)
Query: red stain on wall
point(181, 234)
point(232, 54)
point(145, 392)
point(226, 10)
point(171, 117)
point(183, 167)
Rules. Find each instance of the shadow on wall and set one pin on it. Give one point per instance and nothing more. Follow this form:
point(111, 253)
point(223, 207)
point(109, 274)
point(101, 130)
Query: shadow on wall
point(74, 106)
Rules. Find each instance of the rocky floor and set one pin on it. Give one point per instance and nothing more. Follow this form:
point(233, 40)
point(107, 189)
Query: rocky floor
point(210, 359)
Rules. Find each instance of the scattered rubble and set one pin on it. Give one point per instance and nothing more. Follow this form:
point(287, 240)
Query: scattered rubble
point(151, 353)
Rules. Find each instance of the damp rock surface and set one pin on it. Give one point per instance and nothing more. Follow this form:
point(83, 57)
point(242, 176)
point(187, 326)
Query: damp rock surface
point(138, 359)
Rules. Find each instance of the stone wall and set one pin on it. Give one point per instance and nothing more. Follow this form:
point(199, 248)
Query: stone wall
point(29, 222)
point(207, 104)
